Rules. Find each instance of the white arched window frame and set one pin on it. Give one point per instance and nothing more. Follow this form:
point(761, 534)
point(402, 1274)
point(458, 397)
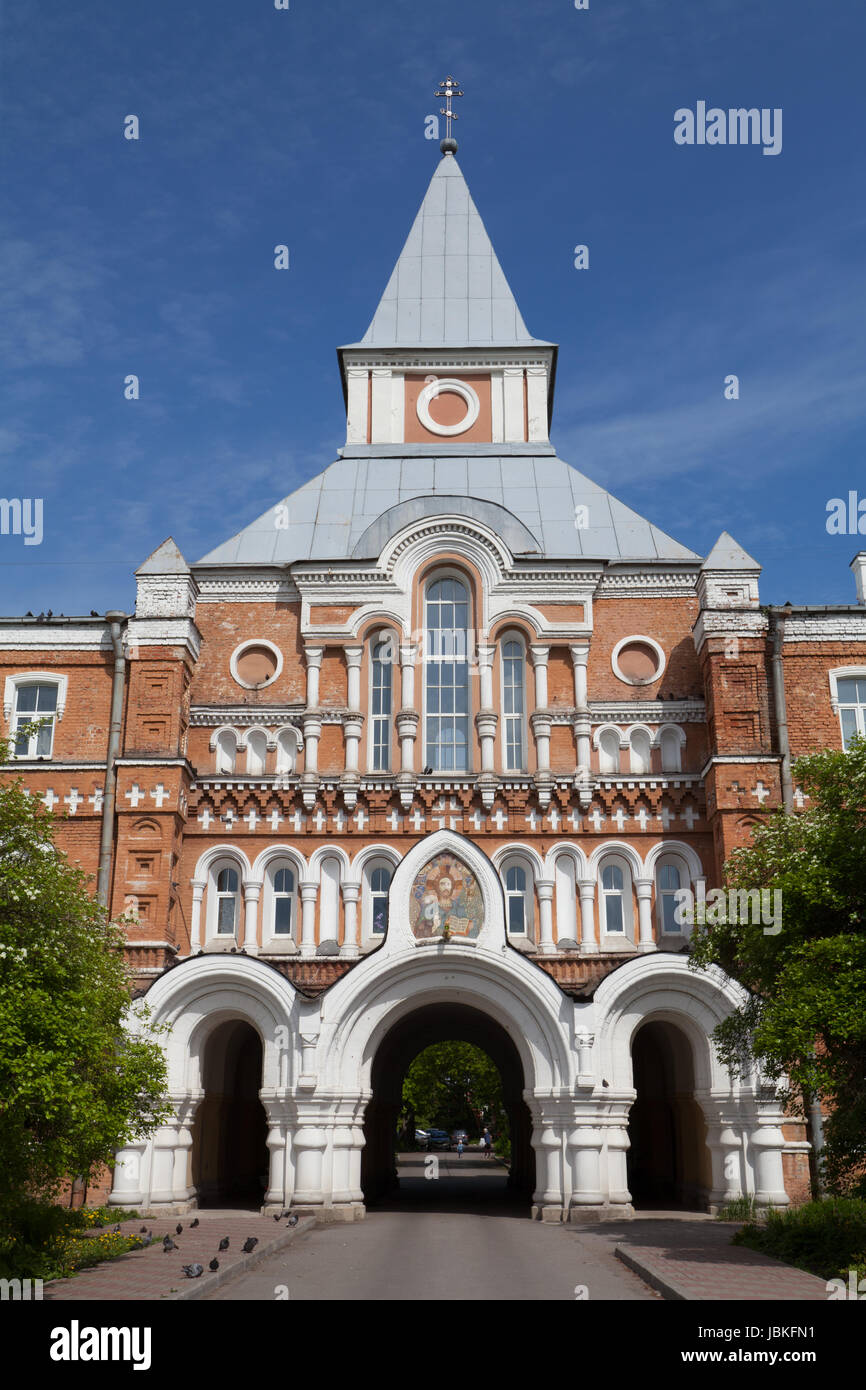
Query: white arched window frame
point(256, 743)
point(616, 906)
point(329, 898)
point(640, 755)
point(447, 713)
point(608, 741)
point(671, 874)
point(384, 651)
point(672, 741)
point(288, 744)
point(518, 883)
point(34, 697)
point(225, 884)
point(224, 743)
point(512, 683)
point(848, 700)
point(280, 906)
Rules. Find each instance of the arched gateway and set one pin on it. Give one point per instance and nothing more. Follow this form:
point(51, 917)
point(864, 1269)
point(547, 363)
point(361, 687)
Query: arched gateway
point(573, 1069)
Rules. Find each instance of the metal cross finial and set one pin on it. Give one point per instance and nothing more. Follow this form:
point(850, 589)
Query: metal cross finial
point(449, 89)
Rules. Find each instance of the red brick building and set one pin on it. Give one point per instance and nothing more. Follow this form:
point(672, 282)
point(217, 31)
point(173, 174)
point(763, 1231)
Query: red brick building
point(426, 751)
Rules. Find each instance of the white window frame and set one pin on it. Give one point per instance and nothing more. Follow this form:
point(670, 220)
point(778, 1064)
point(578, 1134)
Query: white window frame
point(675, 861)
point(214, 897)
point(846, 673)
point(626, 936)
point(504, 640)
point(388, 638)
point(270, 936)
point(12, 686)
point(426, 758)
point(516, 861)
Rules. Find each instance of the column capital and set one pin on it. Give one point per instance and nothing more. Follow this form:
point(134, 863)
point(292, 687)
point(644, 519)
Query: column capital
point(539, 654)
point(353, 655)
point(579, 653)
point(308, 890)
point(544, 887)
point(351, 891)
point(313, 655)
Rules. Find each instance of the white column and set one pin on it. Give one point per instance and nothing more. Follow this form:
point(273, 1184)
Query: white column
point(545, 887)
point(408, 657)
point(539, 661)
point(497, 407)
point(514, 415)
point(644, 889)
point(407, 717)
point(536, 398)
point(309, 892)
point(312, 734)
point(541, 729)
point(356, 415)
point(588, 944)
point(766, 1144)
point(486, 718)
point(313, 656)
point(198, 887)
point(252, 893)
point(351, 894)
point(353, 663)
point(382, 404)
point(352, 731)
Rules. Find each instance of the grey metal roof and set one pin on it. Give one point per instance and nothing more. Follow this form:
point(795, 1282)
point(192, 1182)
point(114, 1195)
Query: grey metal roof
point(447, 288)
point(726, 554)
point(329, 515)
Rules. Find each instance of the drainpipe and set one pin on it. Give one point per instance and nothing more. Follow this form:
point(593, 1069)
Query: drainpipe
point(777, 619)
point(117, 621)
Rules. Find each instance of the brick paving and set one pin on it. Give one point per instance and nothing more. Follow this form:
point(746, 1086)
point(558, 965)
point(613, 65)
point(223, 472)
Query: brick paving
point(151, 1274)
point(695, 1261)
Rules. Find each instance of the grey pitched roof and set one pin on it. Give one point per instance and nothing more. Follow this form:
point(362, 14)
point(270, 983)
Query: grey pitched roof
point(328, 517)
point(447, 288)
point(166, 559)
point(727, 555)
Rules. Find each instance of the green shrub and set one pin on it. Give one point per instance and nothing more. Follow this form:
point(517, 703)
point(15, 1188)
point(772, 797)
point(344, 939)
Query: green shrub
point(741, 1209)
point(827, 1238)
point(39, 1240)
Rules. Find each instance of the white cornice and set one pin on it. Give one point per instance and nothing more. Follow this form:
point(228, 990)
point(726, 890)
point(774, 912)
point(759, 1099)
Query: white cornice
point(45, 637)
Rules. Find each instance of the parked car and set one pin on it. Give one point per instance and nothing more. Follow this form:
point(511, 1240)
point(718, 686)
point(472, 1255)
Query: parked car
point(438, 1139)
point(421, 1136)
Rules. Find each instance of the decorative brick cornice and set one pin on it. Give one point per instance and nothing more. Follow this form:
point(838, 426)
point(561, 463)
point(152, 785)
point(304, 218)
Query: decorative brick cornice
point(647, 711)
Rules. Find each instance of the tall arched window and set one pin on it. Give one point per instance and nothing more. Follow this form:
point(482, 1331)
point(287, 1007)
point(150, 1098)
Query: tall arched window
point(284, 901)
point(381, 697)
point(227, 893)
point(447, 676)
point(257, 752)
point(515, 899)
point(513, 704)
point(639, 744)
point(380, 882)
point(671, 741)
point(226, 750)
point(612, 888)
point(668, 882)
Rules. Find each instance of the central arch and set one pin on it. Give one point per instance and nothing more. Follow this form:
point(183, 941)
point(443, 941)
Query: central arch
point(428, 1024)
point(668, 1161)
point(229, 1134)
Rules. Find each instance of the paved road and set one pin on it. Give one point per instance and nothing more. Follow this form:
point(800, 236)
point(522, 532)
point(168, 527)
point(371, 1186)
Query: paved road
point(457, 1237)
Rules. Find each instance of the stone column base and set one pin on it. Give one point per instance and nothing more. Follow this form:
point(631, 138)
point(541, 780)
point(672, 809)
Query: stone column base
point(329, 1216)
point(587, 1215)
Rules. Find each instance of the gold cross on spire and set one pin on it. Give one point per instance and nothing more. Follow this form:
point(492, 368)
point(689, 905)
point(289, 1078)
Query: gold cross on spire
point(448, 89)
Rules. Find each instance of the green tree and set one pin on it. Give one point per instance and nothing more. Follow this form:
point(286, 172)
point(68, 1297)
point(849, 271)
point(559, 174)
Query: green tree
point(454, 1085)
point(75, 1084)
point(806, 1011)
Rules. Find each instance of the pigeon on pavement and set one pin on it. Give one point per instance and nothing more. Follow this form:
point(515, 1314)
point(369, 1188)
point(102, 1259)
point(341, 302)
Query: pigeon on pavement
point(214, 1265)
point(168, 1245)
point(193, 1224)
point(224, 1243)
point(250, 1244)
point(293, 1219)
point(178, 1230)
point(193, 1271)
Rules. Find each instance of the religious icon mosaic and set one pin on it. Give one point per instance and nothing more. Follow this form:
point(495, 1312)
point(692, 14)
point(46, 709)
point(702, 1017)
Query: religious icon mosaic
point(446, 900)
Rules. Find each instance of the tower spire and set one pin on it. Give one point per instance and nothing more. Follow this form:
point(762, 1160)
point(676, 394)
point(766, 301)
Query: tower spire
point(448, 89)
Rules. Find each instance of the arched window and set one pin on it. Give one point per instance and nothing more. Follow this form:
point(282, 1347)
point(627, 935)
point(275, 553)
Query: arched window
point(608, 751)
point(514, 704)
point(515, 899)
point(283, 902)
point(669, 879)
point(447, 676)
point(226, 750)
point(35, 705)
point(380, 883)
point(612, 889)
point(287, 750)
point(227, 898)
point(639, 744)
point(381, 703)
point(566, 898)
point(671, 746)
point(257, 752)
point(329, 900)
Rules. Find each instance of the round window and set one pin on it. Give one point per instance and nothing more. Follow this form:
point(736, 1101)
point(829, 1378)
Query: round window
point(638, 660)
point(256, 664)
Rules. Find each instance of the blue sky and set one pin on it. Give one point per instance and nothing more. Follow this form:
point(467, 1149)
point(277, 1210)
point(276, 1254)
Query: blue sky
point(306, 127)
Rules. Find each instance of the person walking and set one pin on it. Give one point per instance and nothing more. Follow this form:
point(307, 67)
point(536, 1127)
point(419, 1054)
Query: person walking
point(459, 1148)
point(487, 1141)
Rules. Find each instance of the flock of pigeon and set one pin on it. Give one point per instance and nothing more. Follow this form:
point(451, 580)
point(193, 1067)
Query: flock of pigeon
point(195, 1271)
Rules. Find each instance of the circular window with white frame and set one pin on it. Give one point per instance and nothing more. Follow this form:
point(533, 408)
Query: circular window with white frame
point(447, 386)
point(256, 664)
point(637, 660)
